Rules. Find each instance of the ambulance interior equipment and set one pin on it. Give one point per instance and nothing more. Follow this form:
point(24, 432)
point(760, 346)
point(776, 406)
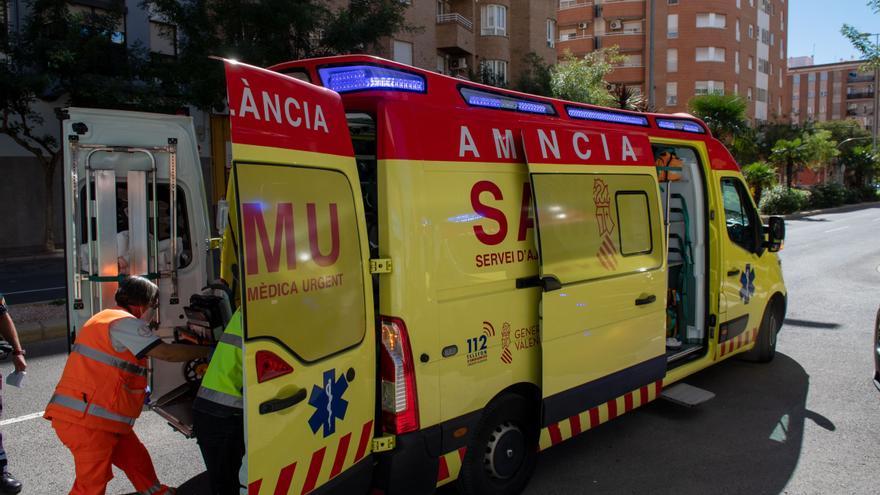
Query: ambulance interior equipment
point(682, 191)
point(134, 205)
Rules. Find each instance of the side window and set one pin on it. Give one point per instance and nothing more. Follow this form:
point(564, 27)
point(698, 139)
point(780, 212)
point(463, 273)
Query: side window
point(303, 269)
point(593, 226)
point(634, 218)
point(739, 215)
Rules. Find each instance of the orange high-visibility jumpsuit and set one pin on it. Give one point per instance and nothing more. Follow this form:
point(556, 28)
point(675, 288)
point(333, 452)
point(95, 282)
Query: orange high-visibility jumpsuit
point(95, 405)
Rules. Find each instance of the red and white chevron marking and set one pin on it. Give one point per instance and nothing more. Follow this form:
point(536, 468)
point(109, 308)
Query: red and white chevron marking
point(450, 466)
point(736, 343)
point(291, 480)
point(559, 432)
point(507, 356)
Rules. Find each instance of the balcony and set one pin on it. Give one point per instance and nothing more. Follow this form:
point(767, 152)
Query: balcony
point(859, 78)
point(627, 74)
point(627, 41)
point(623, 9)
point(578, 45)
point(860, 95)
point(576, 14)
point(455, 33)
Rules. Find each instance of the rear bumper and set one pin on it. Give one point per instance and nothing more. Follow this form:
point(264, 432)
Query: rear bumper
point(411, 468)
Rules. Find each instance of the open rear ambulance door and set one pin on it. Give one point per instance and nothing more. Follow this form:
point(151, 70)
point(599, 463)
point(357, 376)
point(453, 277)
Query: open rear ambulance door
point(303, 260)
point(602, 274)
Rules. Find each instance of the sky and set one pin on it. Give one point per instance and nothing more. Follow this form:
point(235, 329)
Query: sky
point(814, 28)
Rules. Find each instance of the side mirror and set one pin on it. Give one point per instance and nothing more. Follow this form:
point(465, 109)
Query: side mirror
point(222, 216)
point(775, 232)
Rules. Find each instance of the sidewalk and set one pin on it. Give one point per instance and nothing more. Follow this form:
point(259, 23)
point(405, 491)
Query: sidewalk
point(19, 257)
point(837, 209)
point(39, 321)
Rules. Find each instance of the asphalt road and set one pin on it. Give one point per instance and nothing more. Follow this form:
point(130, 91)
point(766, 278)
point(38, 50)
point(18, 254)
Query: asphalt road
point(807, 423)
point(32, 281)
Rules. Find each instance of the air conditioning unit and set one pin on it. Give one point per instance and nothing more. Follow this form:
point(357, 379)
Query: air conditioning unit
point(615, 25)
point(584, 25)
point(460, 63)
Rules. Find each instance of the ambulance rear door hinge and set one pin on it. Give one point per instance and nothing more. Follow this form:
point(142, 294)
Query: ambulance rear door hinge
point(384, 444)
point(380, 265)
point(214, 243)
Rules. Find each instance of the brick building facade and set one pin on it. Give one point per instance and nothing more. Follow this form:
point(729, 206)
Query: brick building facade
point(690, 48)
point(835, 91)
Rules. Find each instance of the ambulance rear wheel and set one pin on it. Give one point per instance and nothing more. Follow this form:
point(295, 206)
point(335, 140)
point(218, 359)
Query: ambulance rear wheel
point(501, 456)
point(765, 346)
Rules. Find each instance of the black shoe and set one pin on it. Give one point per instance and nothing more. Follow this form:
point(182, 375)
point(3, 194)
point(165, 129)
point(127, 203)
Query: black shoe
point(8, 484)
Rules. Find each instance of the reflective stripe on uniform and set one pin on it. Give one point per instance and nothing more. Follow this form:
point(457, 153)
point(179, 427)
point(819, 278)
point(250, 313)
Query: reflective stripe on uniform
point(233, 340)
point(92, 410)
point(103, 357)
point(220, 397)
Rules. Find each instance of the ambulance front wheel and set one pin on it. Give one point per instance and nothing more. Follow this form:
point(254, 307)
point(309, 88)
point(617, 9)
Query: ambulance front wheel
point(765, 346)
point(501, 456)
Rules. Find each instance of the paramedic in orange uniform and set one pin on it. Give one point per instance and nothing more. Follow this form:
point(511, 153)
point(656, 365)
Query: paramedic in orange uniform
point(102, 391)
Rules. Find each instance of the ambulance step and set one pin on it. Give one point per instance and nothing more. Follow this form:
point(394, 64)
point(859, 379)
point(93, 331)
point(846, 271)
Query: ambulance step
point(686, 395)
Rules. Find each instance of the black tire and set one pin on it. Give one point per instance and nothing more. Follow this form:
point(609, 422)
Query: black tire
point(765, 347)
point(501, 456)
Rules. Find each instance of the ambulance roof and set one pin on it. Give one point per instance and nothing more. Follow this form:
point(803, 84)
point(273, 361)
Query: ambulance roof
point(364, 81)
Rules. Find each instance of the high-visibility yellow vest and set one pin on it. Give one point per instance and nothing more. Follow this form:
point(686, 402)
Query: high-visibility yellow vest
point(221, 391)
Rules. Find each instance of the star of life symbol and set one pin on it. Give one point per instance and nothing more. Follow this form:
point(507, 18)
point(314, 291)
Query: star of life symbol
point(328, 403)
point(747, 280)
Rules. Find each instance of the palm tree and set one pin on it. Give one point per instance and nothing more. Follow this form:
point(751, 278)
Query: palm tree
point(724, 114)
point(759, 176)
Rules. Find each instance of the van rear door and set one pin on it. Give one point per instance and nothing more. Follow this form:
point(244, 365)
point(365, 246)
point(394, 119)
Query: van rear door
point(601, 268)
point(309, 348)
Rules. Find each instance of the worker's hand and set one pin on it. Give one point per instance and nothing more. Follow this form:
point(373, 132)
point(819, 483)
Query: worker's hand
point(19, 362)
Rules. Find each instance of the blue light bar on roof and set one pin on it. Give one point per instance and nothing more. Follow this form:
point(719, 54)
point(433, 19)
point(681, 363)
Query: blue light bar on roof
point(348, 78)
point(606, 116)
point(680, 125)
point(486, 99)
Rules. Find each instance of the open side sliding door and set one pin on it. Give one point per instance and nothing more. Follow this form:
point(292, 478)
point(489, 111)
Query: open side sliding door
point(309, 346)
point(602, 268)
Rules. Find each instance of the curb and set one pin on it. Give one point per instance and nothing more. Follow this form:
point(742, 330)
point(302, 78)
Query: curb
point(35, 331)
point(837, 209)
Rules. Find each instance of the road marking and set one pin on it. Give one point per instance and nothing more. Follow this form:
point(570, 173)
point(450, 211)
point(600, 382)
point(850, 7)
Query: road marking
point(21, 418)
point(835, 230)
point(33, 290)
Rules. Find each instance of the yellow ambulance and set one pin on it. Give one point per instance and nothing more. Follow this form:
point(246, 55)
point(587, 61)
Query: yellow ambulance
point(439, 279)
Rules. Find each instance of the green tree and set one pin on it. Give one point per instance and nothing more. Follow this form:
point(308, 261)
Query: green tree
point(535, 77)
point(266, 32)
point(862, 166)
point(759, 176)
point(583, 79)
point(724, 114)
point(60, 57)
point(869, 49)
point(628, 98)
point(813, 150)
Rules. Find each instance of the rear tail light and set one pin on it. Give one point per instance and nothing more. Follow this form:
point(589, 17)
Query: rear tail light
point(400, 407)
point(270, 366)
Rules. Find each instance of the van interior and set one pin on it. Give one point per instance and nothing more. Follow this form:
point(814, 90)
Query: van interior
point(682, 190)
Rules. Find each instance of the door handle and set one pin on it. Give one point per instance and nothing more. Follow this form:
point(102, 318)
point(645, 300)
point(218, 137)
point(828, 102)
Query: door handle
point(547, 284)
point(275, 405)
point(646, 300)
point(733, 273)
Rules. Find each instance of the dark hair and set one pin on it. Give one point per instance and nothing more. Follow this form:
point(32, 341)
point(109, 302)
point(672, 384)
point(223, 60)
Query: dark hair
point(136, 291)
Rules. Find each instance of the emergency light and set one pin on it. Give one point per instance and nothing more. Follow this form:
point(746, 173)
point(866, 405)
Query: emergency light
point(680, 125)
point(606, 116)
point(486, 99)
point(348, 78)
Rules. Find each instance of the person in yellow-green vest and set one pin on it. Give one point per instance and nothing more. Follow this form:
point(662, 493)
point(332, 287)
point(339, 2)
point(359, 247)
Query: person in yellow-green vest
point(218, 418)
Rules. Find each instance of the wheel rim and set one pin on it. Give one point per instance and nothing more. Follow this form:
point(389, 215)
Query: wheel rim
point(505, 451)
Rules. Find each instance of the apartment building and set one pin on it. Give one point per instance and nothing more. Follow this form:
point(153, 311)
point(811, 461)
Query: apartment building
point(463, 37)
point(833, 92)
point(676, 49)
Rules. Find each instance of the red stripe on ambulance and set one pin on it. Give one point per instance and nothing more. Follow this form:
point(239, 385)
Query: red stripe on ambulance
point(366, 435)
point(314, 471)
point(284, 479)
point(340, 455)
